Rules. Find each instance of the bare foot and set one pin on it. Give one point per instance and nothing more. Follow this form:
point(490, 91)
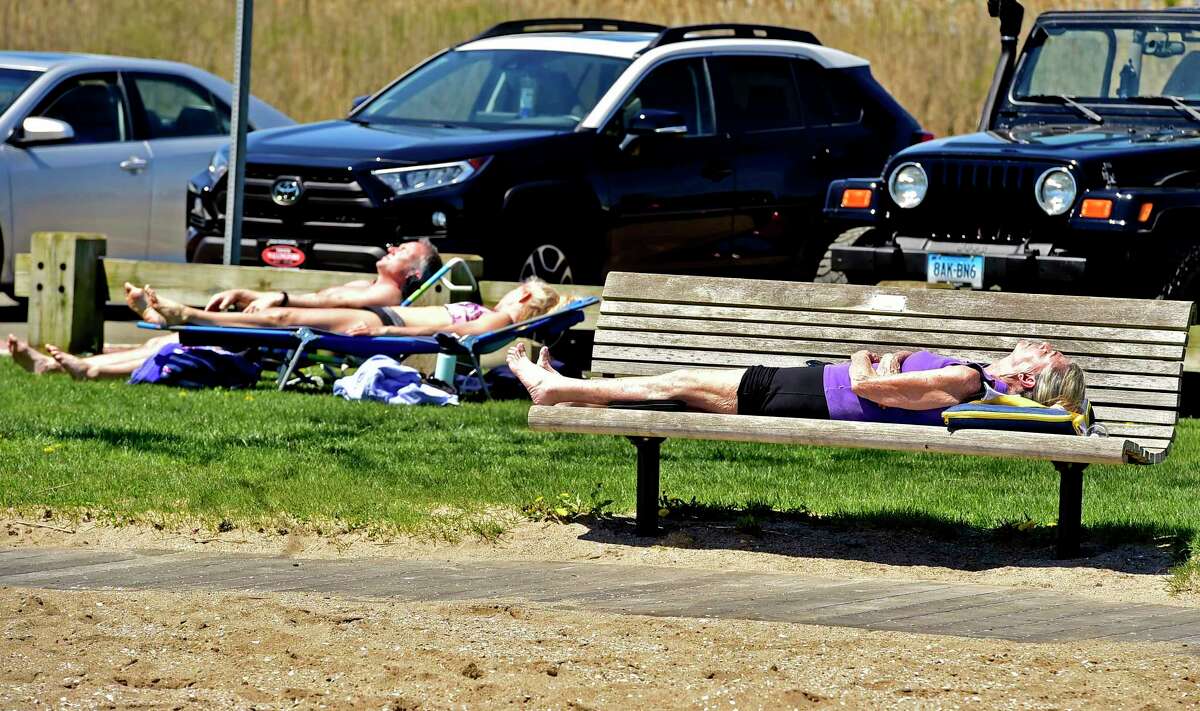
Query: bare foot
point(135, 298)
point(544, 361)
point(172, 313)
point(29, 359)
point(77, 367)
point(538, 381)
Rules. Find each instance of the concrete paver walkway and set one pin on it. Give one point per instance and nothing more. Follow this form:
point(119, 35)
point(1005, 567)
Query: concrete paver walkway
point(918, 606)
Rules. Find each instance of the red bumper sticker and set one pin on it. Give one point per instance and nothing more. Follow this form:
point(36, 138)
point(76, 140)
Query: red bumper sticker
point(283, 255)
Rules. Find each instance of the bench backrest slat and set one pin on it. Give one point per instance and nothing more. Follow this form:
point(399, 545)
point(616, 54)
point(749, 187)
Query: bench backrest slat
point(1131, 349)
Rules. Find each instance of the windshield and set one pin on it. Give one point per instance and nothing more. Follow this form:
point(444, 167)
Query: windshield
point(1105, 63)
point(12, 83)
point(498, 89)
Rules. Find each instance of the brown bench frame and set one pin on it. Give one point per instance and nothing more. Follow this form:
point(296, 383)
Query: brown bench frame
point(1132, 349)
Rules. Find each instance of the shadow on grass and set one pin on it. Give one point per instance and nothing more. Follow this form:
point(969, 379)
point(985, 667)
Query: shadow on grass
point(899, 538)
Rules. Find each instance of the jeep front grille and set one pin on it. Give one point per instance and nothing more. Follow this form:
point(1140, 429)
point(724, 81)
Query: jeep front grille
point(978, 200)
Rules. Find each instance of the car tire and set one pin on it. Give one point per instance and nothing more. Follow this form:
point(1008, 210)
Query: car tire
point(826, 274)
point(1182, 283)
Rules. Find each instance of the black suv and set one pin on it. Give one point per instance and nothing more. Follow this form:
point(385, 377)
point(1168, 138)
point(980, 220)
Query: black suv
point(1084, 177)
point(568, 147)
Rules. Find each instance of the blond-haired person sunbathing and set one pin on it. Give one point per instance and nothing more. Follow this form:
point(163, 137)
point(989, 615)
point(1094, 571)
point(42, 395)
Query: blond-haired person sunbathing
point(900, 388)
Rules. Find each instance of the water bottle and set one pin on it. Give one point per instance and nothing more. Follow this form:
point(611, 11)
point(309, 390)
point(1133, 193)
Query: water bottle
point(525, 99)
point(444, 370)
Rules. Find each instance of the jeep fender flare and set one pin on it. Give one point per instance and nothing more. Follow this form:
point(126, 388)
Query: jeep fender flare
point(559, 213)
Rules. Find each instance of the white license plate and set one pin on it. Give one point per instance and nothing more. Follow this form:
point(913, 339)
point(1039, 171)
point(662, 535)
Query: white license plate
point(954, 269)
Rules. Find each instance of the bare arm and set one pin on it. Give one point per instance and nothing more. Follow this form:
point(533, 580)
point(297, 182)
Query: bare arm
point(922, 390)
point(356, 294)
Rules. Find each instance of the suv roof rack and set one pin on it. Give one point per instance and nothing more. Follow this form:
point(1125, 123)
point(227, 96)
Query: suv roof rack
point(672, 35)
point(569, 24)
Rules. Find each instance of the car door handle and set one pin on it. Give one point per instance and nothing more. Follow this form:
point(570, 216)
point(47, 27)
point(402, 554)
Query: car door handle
point(717, 172)
point(134, 164)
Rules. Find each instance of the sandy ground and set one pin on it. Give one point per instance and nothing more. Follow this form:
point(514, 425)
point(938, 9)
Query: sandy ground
point(155, 649)
point(175, 650)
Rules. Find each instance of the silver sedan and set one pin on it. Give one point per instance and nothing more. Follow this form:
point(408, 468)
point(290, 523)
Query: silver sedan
point(106, 144)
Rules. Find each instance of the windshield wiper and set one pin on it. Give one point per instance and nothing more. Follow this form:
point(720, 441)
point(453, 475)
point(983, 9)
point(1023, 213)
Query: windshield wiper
point(1066, 101)
point(1175, 101)
point(360, 122)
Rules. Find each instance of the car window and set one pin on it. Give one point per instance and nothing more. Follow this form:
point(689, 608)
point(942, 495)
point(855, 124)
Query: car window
point(1107, 63)
point(825, 97)
point(174, 108)
point(680, 86)
point(760, 92)
point(498, 89)
point(93, 105)
point(12, 83)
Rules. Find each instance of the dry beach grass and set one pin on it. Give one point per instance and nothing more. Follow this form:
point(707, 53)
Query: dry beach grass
point(312, 56)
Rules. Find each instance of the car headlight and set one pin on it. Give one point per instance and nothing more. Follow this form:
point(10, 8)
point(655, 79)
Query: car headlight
point(404, 181)
point(218, 165)
point(1055, 191)
point(908, 185)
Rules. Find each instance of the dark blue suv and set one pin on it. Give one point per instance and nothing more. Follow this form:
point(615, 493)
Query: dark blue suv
point(564, 148)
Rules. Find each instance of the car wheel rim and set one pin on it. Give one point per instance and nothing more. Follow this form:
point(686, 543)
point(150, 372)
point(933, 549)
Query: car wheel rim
point(549, 263)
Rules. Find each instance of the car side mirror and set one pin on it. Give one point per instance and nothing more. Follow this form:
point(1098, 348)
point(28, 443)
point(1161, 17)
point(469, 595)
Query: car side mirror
point(358, 101)
point(39, 129)
point(653, 122)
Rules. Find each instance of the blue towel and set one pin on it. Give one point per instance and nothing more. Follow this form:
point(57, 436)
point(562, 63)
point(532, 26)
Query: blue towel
point(383, 379)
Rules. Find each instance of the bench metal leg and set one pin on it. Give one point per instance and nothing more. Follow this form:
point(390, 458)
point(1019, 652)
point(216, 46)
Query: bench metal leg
point(1070, 508)
point(648, 449)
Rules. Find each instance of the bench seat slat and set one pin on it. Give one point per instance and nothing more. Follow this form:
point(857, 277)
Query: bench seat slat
point(1081, 310)
point(948, 336)
point(1122, 429)
point(1134, 415)
point(604, 353)
point(918, 324)
point(861, 435)
point(1145, 398)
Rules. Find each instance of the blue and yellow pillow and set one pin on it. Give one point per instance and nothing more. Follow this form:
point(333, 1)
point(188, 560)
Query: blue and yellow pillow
point(1015, 414)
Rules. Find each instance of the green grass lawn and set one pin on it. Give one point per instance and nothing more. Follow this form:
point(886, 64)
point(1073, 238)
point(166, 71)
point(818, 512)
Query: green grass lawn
point(145, 452)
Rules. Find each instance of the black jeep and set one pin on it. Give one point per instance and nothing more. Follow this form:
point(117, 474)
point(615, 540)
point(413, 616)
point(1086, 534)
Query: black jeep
point(1084, 176)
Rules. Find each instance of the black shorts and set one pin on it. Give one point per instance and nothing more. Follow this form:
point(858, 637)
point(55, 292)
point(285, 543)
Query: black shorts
point(783, 392)
point(387, 315)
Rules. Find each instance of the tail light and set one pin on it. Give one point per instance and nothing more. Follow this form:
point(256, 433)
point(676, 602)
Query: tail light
point(922, 136)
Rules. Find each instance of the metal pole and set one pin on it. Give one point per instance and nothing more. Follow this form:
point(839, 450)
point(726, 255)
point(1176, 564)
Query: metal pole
point(236, 178)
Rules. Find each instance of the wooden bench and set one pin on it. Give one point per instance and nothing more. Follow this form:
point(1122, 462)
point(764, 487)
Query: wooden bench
point(1132, 351)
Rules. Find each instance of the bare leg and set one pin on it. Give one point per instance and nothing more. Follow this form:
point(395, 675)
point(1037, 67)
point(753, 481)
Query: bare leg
point(132, 355)
point(86, 369)
point(30, 359)
point(174, 313)
point(707, 390)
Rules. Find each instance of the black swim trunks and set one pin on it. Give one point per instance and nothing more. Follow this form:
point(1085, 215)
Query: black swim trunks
point(783, 392)
point(387, 314)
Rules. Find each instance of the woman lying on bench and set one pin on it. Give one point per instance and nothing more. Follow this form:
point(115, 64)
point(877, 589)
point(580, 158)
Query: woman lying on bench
point(899, 388)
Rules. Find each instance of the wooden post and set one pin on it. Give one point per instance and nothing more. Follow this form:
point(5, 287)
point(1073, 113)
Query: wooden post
point(68, 291)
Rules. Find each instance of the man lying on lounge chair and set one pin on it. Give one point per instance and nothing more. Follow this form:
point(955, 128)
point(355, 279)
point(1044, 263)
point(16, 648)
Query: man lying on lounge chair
point(900, 388)
point(401, 271)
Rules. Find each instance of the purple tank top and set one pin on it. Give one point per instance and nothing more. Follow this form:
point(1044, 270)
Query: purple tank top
point(845, 405)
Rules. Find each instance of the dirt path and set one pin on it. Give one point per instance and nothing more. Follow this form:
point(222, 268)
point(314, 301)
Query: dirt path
point(168, 650)
point(1135, 573)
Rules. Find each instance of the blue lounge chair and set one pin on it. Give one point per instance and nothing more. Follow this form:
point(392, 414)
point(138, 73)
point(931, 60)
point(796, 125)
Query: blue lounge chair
point(301, 342)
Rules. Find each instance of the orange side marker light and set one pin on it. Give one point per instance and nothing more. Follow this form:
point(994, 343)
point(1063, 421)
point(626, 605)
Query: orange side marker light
point(856, 198)
point(1145, 212)
point(1096, 209)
